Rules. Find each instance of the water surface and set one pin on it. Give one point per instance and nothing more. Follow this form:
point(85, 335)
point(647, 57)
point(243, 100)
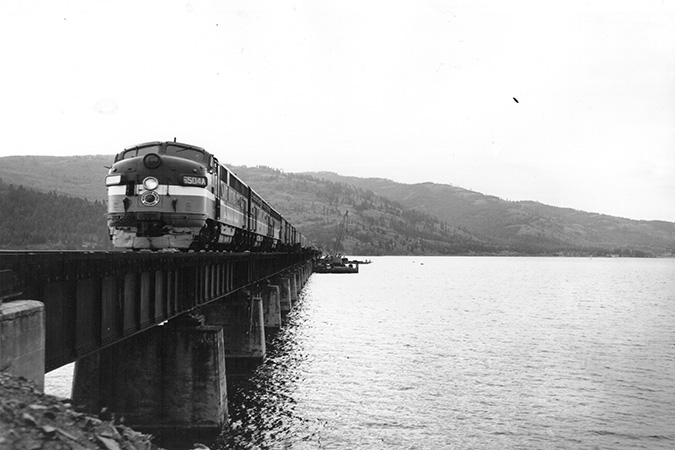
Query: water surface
point(482, 353)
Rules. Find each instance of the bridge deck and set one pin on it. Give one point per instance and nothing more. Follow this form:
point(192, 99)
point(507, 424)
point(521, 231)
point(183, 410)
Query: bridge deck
point(95, 299)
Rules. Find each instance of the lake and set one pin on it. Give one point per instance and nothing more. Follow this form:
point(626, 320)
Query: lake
point(471, 352)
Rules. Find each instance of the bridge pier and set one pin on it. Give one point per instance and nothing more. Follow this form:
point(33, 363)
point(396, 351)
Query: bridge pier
point(290, 284)
point(284, 284)
point(241, 318)
point(179, 376)
point(307, 271)
point(22, 340)
point(293, 278)
point(271, 308)
point(302, 274)
point(171, 377)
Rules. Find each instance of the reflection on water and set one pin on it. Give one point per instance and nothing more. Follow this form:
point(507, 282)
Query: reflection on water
point(262, 411)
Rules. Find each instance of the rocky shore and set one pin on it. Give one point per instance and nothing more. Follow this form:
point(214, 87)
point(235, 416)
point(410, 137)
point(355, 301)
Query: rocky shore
point(31, 420)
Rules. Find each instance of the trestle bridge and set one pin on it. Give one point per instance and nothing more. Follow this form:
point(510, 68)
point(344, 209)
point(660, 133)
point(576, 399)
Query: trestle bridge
point(155, 336)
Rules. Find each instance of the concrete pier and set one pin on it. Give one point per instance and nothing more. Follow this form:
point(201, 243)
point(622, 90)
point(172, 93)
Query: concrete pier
point(22, 340)
point(178, 376)
point(284, 284)
point(295, 286)
point(241, 317)
point(271, 308)
point(170, 377)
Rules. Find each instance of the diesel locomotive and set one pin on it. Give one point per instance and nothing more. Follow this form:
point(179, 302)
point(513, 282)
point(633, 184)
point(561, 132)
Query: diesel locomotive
point(171, 195)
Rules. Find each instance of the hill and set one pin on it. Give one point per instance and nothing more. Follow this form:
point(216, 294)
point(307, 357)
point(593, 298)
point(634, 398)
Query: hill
point(377, 225)
point(76, 176)
point(31, 220)
point(525, 225)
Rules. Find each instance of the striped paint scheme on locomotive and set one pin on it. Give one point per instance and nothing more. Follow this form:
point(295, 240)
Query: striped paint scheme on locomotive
point(170, 195)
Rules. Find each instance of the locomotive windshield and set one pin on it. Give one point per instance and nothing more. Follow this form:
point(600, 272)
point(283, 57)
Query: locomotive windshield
point(185, 153)
point(142, 151)
point(193, 154)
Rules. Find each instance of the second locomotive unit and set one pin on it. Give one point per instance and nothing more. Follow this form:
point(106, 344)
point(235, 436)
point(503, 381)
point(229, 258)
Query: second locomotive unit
point(170, 195)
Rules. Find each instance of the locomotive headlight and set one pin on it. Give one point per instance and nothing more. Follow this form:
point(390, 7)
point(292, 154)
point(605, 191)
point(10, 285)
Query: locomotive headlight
point(112, 180)
point(152, 160)
point(150, 183)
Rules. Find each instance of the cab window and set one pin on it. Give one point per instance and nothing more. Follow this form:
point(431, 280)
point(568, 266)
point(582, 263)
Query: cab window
point(185, 153)
point(134, 152)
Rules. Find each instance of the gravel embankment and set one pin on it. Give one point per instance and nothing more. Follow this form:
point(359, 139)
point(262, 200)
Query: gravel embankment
point(31, 420)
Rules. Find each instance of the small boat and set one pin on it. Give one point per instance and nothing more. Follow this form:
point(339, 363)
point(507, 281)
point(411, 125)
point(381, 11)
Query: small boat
point(336, 264)
point(356, 261)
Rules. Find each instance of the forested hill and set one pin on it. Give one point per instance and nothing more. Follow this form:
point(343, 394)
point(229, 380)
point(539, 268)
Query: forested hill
point(76, 176)
point(31, 220)
point(376, 225)
point(524, 225)
point(385, 217)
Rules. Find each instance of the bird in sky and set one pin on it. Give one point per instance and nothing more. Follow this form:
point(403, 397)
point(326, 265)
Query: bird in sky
point(515, 100)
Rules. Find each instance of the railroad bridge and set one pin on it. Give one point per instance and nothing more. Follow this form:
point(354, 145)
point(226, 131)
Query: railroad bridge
point(155, 337)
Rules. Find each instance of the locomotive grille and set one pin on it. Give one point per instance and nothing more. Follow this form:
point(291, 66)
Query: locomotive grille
point(149, 216)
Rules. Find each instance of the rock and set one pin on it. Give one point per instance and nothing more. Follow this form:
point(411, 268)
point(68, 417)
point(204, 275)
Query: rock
point(31, 420)
point(66, 434)
point(37, 407)
point(109, 431)
point(109, 444)
point(48, 430)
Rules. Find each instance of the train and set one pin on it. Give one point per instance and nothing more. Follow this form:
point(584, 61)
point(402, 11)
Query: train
point(177, 196)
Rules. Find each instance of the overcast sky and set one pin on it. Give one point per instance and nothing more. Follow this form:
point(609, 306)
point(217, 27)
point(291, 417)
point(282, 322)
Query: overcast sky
point(412, 91)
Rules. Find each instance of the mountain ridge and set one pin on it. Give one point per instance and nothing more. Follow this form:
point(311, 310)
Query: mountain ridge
point(333, 176)
point(521, 222)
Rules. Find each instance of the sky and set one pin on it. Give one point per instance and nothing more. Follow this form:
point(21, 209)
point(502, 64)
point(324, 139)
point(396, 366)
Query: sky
point(568, 103)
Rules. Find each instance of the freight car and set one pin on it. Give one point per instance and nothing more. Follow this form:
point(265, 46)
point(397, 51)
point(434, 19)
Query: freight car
point(171, 195)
